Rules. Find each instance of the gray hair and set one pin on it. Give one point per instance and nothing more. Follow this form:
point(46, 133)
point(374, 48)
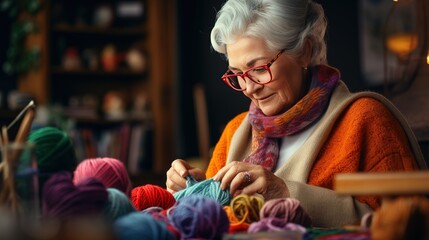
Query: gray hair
point(282, 24)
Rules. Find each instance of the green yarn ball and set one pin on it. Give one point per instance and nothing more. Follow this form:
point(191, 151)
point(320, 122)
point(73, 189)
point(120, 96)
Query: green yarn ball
point(54, 150)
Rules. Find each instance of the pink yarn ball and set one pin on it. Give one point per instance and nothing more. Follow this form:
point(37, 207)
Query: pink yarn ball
point(274, 225)
point(288, 209)
point(111, 172)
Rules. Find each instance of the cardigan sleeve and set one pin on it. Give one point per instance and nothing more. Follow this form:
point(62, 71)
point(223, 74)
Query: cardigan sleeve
point(220, 151)
point(325, 207)
point(366, 138)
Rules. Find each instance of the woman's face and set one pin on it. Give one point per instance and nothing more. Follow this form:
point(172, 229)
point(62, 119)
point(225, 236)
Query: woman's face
point(287, 85)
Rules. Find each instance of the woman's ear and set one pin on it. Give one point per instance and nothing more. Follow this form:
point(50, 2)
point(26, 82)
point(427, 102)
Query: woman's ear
point(307, 51)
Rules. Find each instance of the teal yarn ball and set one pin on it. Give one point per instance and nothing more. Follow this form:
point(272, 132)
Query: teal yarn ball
point(138, 225)
point(118, 204)
point(54, 150)
point(208, 188)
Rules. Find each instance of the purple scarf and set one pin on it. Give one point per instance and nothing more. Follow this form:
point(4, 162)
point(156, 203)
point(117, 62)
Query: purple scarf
point(268, 130)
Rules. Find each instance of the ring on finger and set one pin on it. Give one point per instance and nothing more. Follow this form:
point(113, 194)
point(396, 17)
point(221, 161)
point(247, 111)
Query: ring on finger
point(247, 177)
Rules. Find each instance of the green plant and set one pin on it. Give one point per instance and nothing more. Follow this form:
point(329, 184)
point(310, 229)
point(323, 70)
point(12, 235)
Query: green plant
point(19, 58)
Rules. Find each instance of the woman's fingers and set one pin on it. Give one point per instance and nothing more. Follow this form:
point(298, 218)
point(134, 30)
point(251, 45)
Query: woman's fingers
point(176, 180)
point(227, 174)
point(240, 181)
point(219, 175)
point(181, 167)
point(245, 178)
point(235, 176)
point(175, 175)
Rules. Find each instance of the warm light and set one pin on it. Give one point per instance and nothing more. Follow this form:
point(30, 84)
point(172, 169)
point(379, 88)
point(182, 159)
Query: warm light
point(402, 43)
point(427, 58)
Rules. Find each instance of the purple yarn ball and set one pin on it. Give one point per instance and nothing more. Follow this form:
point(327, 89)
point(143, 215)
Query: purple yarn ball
point(288, 209)
point(152, 210)
point(274, 225)
point(156, 213)
point(62, 199)
point(198, 216)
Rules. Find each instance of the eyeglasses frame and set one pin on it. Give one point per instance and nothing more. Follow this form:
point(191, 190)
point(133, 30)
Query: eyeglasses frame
point(267, 66)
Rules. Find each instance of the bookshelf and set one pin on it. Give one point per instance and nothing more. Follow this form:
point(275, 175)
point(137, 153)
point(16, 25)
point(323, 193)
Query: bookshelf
point(130, 140)
point(74, 75)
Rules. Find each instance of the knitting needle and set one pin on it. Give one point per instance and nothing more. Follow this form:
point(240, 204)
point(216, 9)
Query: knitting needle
point(29, 105)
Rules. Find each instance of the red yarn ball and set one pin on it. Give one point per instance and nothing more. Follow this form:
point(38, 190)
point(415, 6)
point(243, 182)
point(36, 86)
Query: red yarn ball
point(150, 195)
point(111, 172)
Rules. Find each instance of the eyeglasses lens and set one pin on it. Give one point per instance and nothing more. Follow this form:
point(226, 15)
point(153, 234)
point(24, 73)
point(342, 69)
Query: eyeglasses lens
point(260, 75)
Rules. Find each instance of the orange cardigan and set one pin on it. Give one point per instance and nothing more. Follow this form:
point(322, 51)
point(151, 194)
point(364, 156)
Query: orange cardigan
point(365, 138)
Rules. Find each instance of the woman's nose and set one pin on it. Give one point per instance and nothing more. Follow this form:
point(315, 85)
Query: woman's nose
point(251, 86)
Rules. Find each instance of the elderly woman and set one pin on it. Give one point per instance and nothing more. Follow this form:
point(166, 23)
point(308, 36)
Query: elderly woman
point(303, 125)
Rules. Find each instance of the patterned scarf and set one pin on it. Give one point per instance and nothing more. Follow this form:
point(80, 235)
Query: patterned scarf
point(268, 130)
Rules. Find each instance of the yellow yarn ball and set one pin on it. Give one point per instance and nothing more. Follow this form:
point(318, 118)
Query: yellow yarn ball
point(245, 207)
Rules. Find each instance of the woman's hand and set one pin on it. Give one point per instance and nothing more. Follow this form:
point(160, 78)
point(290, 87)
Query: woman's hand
point(176, 175)
point(246, 178)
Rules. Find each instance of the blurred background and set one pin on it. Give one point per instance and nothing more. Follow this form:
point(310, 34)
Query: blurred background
point(139, 81)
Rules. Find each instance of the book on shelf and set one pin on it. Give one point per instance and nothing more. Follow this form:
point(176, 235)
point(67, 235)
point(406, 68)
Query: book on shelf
point(130, 143)
point(141, 149)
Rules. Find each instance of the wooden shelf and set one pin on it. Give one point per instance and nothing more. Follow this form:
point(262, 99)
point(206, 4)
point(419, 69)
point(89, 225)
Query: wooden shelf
point(154, 35)
point(109, 121)
point(390, 183)
point(119, 72)
point(64, 28)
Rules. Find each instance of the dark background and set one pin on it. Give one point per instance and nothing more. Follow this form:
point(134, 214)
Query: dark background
point(198, 63)
point(6, 82)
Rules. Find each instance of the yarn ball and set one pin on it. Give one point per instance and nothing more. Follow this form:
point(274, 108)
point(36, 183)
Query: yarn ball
point(54, 150)
point(138, 225)
point(246, 208)
point(152, 210)
point(274, 225)
point(61, 198)
point(157, 213)
point(288, 209)
point(161, 215)
point(149, 195)
point(199, 217)
point(208, 188)
point(118, 204)
point(111, 172)
point(234, 224)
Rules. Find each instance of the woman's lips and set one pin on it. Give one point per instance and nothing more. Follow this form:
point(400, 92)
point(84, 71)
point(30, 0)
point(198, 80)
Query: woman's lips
point(264, 98)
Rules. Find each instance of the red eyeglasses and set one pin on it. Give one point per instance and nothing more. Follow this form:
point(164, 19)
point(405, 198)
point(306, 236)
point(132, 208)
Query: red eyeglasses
point(260, 75)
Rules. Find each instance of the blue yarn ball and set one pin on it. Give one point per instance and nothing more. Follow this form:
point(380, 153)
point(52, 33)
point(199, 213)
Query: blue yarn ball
point(138, 225)
point(199, 217)
point(118, 204)
point(208, 188)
